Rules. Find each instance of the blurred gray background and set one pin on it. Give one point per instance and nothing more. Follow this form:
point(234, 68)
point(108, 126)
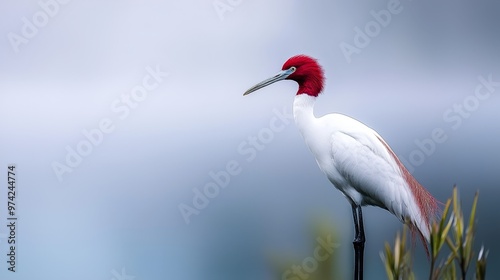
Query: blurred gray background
point(69, 66)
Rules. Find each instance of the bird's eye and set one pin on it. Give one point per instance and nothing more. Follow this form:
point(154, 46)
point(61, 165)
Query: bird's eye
point(293, 68)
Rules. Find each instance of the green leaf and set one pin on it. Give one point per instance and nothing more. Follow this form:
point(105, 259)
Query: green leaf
point(473, 211)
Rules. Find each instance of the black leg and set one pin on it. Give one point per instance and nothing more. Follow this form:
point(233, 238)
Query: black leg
point(359, 242)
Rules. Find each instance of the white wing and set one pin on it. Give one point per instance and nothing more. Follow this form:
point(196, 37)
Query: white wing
point(364, 168)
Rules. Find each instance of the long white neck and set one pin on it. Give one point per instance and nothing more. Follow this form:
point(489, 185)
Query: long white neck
point(303, 113)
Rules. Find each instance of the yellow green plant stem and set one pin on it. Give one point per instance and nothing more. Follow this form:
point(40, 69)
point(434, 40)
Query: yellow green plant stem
point(481, 264)
point(398, 262)
point(450, 229)
point(439, 232)
point(461, 244)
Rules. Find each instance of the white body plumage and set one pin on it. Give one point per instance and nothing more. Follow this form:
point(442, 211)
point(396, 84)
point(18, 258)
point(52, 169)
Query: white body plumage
point(358, 162)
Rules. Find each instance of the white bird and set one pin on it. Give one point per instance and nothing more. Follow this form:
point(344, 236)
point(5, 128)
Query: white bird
point(355, 158)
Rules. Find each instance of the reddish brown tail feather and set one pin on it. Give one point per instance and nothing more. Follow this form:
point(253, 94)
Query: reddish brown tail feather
point(427, 204)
